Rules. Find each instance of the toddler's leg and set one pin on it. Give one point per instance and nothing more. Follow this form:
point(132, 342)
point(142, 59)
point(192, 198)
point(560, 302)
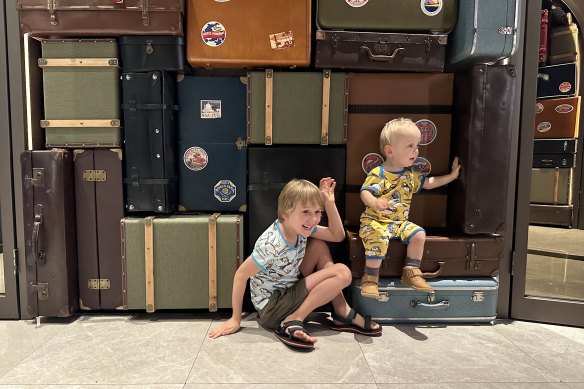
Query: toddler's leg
point(411, 274)
point(375, 248)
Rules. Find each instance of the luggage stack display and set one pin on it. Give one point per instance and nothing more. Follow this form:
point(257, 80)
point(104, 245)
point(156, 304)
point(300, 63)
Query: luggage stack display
point(557, 123)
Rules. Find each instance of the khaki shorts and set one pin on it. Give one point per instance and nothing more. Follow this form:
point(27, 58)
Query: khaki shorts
point(281, 304)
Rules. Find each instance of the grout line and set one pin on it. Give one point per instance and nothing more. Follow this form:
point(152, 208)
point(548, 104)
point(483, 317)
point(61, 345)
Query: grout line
point(198, 351)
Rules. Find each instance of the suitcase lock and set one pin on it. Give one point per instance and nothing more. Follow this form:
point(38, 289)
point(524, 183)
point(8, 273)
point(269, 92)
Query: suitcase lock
point(98, 283)
point(37, 179)
point(42, 290)
point(478, 297)
point(473, 263)
point(149, 48)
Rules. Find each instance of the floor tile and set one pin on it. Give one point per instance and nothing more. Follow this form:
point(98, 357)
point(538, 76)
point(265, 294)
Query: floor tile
point(281, 386)
point(254, 355)
point(558, 348)
point(450, 354)
point(482, 385)
point(116, 349)
point(141, 386)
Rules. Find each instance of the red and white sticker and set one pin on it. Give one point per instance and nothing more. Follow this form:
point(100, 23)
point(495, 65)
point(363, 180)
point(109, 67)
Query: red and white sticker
point(428, 131)
point(564, 108)
point(431, 7)
point(213, 34)
point(195, 158)
point(544, 127)
point(356, 3)
point(371, 161)
point(538, 108)
point(422, 166)
point(565, 87)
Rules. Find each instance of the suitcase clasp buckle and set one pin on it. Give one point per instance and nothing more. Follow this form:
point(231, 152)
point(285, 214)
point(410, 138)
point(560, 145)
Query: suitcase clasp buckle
point(506, 30)
point(42, 290)
point(149, 48)
point(478, 297)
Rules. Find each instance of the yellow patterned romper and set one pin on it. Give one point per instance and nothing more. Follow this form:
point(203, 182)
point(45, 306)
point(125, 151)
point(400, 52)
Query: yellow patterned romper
point(377, 228)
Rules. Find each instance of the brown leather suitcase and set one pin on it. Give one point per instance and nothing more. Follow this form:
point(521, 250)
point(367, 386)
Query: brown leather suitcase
point(551, 215)
point(49, 230)
point(557, 118)
point(100, 17)
point(446, 254)
point(99, 208)
point(241, 34)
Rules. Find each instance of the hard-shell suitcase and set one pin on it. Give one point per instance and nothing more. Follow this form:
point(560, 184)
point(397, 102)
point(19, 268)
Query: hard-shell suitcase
point(554, 153)
point(485, 32)
point(198, 273)
point(248, 34)
point(387, 15)
point(100, 17)
point(446, 254)
point(147, 53)
point(564, 45)
point(212, 150)
point(464, 300)
point(99, 206)
point(552, 186)
point(296, 107)
point(557, 118)
point(49, 231)
point(551, 215)
point(558, 81)
point(544, 36)
point(373, 101)
point(151, 126)
point(380, 51)
point(484, 97)
point(81, 83)
point(270, 169)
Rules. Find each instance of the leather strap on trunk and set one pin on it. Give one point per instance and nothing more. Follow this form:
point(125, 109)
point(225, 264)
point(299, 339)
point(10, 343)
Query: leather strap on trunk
point(81, 123)
point(149, 262)
point(556, 184)
point(269, 105)
point(326, 96)
point(213, 262)
point(77, 62)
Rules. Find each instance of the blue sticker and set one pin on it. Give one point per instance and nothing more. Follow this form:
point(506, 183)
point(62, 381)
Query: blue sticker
point(213, 34)
point(225, 191)
point(431, 7)
point(210, 109)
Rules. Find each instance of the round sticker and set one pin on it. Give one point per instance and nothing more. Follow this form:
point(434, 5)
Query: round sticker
point(544, 127)
point(213, 34)
point(428, 131)
point(564, 108)
point(422, 165)
point(356, 3)
point(538, 108)
point(371, 161)
point(431, 7)
point(195, 158)
point(565, 87)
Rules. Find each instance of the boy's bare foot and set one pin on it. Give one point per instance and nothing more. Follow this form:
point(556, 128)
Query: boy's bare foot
point(412, 277)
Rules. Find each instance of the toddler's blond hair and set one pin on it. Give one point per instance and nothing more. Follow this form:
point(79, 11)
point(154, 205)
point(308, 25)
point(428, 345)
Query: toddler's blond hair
point(298, 191)
point(392, 129)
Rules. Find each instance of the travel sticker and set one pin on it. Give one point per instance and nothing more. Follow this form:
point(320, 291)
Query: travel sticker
point(225, 191)
point(195, 158)
point(356, 3)
point(371, 161)
point(422, 165)
point(544, 127)
point(213, 34)
point(431, 7)
point(282, 40)
point(210, 109)
point(564, 108)
point(538, 108)
point(565, 87)
point(428, 131)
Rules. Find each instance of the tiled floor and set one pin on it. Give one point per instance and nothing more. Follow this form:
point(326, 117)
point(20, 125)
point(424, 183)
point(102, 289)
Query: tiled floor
point(170, 350)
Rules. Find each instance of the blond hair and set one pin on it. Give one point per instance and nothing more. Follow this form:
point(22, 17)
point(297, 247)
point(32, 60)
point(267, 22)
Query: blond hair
point(298, 191)
point(392, 129)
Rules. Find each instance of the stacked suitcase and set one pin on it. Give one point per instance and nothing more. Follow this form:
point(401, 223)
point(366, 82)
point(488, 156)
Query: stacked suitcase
point(557, 114)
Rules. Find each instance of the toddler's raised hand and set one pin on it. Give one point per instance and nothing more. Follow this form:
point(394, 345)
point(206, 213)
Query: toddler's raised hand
point(455, 168)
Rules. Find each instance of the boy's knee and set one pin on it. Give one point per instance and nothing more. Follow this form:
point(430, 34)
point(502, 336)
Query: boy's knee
point(344, 273)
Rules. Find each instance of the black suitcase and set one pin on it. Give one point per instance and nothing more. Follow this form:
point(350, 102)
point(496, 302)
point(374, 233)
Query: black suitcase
point(557, 80)
point(554, 153)
point(151, 120)
point(477, 200)
point(145, 53)
point(49, 230)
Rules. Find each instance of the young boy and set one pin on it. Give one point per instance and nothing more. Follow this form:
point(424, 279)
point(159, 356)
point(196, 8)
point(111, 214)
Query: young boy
point(291, 275)
point(387, 194)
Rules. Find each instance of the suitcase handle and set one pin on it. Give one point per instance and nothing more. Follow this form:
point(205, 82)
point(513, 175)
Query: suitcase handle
point(441, 306)
point(38, 256)
point(437, 272)
point(382, 58)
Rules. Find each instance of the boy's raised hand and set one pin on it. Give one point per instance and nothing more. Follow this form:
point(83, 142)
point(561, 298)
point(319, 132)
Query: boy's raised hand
point(231, 326)
point(327, 187)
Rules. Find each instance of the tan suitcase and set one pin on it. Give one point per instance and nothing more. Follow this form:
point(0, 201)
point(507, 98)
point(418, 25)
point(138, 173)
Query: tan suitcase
point(552, 186)
point(557, 118)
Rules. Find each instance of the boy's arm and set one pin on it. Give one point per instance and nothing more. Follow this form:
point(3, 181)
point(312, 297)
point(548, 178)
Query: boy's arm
point(435, 182)
point(246, 270)
point(335, 231)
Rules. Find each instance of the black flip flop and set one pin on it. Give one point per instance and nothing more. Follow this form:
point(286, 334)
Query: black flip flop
point(284, 334)
point(348, 326)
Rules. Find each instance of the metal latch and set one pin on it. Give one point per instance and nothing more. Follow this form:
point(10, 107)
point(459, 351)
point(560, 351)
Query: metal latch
point(431, 297)
point(240, 143)
point(473, 263)
point(42, 289)
point(94, 175)
point(478, 296)
point(98, 283)
point(149, 48)
point(506, 30)
point(38, 177)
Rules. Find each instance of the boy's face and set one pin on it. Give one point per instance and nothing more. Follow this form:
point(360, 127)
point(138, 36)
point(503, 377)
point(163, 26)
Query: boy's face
point(303, 218)
point(404, 148)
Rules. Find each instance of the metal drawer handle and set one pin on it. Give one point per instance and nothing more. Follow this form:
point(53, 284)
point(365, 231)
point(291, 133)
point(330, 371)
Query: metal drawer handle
point(382, 58)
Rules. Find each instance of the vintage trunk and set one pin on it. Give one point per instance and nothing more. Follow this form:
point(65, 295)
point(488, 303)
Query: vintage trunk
point(151, 122)
point(557, 118)
point(446, 254)
point(551, 215)
point(552, 186)
point(152, 52)
point(81, 81)
point(564, 45)
point(296, 107)
point(460, 300)
point(484, 97)
point(485, 32)
point(387, 15)
point(557, 81)
point(213, 154)
point(198, 273)
point(49, 232)
point(100, 17)
point(554, 153)
point(248, 34)
point(380, 51)
point(99, 205)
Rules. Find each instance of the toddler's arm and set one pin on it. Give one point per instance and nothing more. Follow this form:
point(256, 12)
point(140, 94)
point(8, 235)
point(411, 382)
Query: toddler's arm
point(377, 203)
point(435, 182)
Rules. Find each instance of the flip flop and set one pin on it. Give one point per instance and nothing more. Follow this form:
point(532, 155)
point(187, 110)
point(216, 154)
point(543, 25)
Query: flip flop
point(284, 334)
point(348, 326)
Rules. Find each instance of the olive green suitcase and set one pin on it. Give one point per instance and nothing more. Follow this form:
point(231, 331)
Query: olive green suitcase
point(81, 83)
point(180, 262)
point(552, 186)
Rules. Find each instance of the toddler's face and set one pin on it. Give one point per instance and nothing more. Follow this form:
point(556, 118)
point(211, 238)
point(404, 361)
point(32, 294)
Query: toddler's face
point(404, 148)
